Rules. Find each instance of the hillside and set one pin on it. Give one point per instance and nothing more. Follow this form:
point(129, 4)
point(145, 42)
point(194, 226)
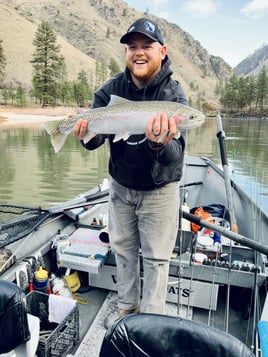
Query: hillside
point(17, 34)
point(89, 31)
point(253, 63)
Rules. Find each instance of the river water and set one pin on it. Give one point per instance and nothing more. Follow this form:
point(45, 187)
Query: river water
point(32, 174)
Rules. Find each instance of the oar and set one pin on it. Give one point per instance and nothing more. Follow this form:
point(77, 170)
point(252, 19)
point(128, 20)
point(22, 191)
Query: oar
point(80, 203)
point(224, 231)
point(92, 198)
point(92, 203)
point(227, 180)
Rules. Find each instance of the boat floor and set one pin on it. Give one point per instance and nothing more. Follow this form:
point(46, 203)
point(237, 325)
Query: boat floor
point(102, 303)
point(92, 340)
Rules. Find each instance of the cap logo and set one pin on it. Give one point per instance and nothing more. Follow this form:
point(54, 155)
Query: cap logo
point(149, 26)
point(131, 29)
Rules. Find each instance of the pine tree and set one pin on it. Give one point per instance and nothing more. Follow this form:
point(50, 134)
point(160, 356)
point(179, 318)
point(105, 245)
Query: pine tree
point(82, 91)
point(21, 96)
point(62, 81)
point(251, 94)
point(47, 64)
point(101, 73)
point(114, 67)
point(2, 62)
point(243, 92)
point(262, 88)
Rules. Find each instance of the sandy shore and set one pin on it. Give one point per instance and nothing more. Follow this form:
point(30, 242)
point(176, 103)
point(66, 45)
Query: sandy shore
point(31, 116)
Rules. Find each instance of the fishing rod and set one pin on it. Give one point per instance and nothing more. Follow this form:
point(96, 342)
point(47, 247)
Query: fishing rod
point(225, 232)
point(227, 180)
point(230, 204)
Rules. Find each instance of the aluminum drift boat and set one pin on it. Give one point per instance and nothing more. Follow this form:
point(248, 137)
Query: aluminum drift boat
point(222, 283)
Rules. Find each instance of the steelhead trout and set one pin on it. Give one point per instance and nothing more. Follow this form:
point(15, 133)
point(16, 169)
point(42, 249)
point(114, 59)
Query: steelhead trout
point(122, 117)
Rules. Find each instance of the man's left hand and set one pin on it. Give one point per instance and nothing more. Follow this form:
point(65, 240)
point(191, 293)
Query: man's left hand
point(161, 129)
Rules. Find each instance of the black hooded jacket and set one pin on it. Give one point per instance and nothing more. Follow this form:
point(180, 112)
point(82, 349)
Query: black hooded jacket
point(133, 163)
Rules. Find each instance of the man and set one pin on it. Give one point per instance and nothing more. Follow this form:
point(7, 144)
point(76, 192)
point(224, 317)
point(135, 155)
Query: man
point(145, 171)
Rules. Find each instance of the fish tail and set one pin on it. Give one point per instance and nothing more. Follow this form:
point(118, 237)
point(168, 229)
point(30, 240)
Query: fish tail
point(57, 138)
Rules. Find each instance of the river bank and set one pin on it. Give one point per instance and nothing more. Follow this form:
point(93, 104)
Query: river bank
point(31, 115)
point(262, 114)
point(36, 110)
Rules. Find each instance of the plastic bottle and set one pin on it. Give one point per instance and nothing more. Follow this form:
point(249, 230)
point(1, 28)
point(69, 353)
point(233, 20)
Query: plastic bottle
point(185, 224)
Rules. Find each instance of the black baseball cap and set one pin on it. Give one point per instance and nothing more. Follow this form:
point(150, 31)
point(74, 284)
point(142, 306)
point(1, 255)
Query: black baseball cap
point(146, 27)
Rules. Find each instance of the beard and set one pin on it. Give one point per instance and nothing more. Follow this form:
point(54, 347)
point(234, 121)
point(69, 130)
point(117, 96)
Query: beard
point(146, 72)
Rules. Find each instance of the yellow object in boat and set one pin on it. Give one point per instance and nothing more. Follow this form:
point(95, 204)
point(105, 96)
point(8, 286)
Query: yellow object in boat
point(41, 274)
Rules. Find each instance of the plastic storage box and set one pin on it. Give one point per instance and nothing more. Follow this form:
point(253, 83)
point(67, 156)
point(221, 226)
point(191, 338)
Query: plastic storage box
point(55, 339)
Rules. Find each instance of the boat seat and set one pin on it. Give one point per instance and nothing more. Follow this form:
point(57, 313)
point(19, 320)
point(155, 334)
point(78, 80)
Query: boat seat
point(140, 335)
point(19, 331)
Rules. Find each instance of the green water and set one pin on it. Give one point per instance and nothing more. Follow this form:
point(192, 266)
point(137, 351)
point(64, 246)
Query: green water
point(31, 174)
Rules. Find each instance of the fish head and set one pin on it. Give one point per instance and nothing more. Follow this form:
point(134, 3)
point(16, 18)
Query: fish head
point(189, 118)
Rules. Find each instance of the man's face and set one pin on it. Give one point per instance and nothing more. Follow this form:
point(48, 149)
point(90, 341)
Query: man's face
point(144, 57)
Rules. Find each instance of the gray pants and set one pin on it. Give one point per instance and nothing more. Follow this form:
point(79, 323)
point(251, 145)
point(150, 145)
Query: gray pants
point(146, 220)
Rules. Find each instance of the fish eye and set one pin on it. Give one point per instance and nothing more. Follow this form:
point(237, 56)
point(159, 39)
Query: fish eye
point(191, 116)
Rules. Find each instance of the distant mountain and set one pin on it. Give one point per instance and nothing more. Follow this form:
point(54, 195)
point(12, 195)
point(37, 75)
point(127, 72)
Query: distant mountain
point(253, 63)
point(89, 31)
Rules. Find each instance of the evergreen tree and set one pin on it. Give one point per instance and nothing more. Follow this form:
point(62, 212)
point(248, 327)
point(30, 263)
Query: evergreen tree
point(251, 92)
point(2, 62)
point(62, 81)
point(5, 95)
point(242, 92)
point(101, 73)
point(67, 93)
point(21, 96)
point(262, 88)
point(82, 91)
point(230, 93)
point(242, 97)
point(114, 67)
point(9, 95)
point(47, 64)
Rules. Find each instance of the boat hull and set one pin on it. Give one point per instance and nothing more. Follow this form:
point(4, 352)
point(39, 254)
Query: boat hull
point(201, 288)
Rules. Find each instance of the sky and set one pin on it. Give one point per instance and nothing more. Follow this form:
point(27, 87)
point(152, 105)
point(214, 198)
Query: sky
point(231, 29)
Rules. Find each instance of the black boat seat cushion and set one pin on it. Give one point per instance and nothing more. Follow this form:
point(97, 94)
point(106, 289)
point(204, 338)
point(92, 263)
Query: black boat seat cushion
point(14, 329)
point(141, 335)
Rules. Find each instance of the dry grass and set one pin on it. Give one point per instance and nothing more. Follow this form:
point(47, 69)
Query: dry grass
point(17, 34)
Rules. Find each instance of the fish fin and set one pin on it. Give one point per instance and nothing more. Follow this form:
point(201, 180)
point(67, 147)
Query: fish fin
point(115, 99)
point(88, 137)
point(123, 136)
point(57, 138)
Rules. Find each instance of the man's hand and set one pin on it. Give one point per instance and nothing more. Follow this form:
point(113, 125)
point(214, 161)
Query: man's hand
point(161, 129)
point(80, 129)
